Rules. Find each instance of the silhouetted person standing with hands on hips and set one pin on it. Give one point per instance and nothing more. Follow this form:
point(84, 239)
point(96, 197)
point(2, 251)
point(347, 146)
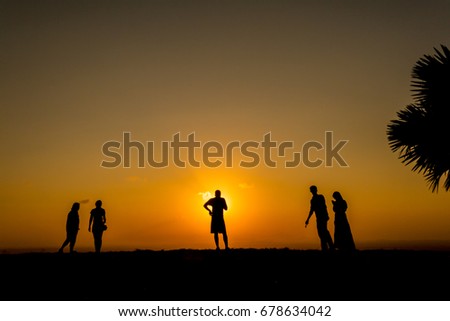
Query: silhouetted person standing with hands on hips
point(72, 227)
point(98, 218)
point(319, 207)
point(218, 204)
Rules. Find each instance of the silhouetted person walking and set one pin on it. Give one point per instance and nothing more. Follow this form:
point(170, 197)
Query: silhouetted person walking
point(343, 238)
point(72, 227)
point(218, 204)
point(319, 207)
point(98, 222)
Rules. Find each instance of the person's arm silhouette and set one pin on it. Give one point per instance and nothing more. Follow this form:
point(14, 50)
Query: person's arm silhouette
point(311, 211)
point(208, 203)
point(307, 220)
point(90, 222)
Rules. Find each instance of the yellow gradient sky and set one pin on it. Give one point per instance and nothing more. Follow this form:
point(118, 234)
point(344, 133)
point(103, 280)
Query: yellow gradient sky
point(77, 74)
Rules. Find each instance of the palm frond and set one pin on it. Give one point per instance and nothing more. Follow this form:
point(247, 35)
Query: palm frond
point(431, 80)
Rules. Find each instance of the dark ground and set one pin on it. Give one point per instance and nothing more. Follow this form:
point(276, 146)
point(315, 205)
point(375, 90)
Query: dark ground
point(241, 274)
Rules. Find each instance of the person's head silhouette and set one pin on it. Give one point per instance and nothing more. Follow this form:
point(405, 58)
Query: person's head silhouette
point(76, 206)
point(98, 203)
point(313, 189)
point(217, 193)
point(337, 196)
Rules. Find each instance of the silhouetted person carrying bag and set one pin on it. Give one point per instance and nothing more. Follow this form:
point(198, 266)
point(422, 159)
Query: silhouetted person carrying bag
point(218, 204)
point(98, 222)
point(319, 207)
point(72, 227)
point(343, 238)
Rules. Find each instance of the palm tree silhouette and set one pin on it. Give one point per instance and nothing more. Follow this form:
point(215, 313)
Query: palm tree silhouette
point(421, 134)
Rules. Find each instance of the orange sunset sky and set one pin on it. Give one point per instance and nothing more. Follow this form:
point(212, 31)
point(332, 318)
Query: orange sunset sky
point(77, 74)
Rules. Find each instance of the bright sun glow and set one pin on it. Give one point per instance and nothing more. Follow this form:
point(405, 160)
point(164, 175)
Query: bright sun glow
point(205, 195)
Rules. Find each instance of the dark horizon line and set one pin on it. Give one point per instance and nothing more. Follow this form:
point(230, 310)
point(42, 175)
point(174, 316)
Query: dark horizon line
point(430, 245)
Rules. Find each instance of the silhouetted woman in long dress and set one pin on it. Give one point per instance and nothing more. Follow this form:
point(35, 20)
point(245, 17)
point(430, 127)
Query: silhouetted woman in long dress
point(343, 238)
point(98, 222)
point(72, 227)
point(218, 204)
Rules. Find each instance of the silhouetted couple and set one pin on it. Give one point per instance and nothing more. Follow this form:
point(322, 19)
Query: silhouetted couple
point(218, 204)
point(343, 239)
point(97, 220)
